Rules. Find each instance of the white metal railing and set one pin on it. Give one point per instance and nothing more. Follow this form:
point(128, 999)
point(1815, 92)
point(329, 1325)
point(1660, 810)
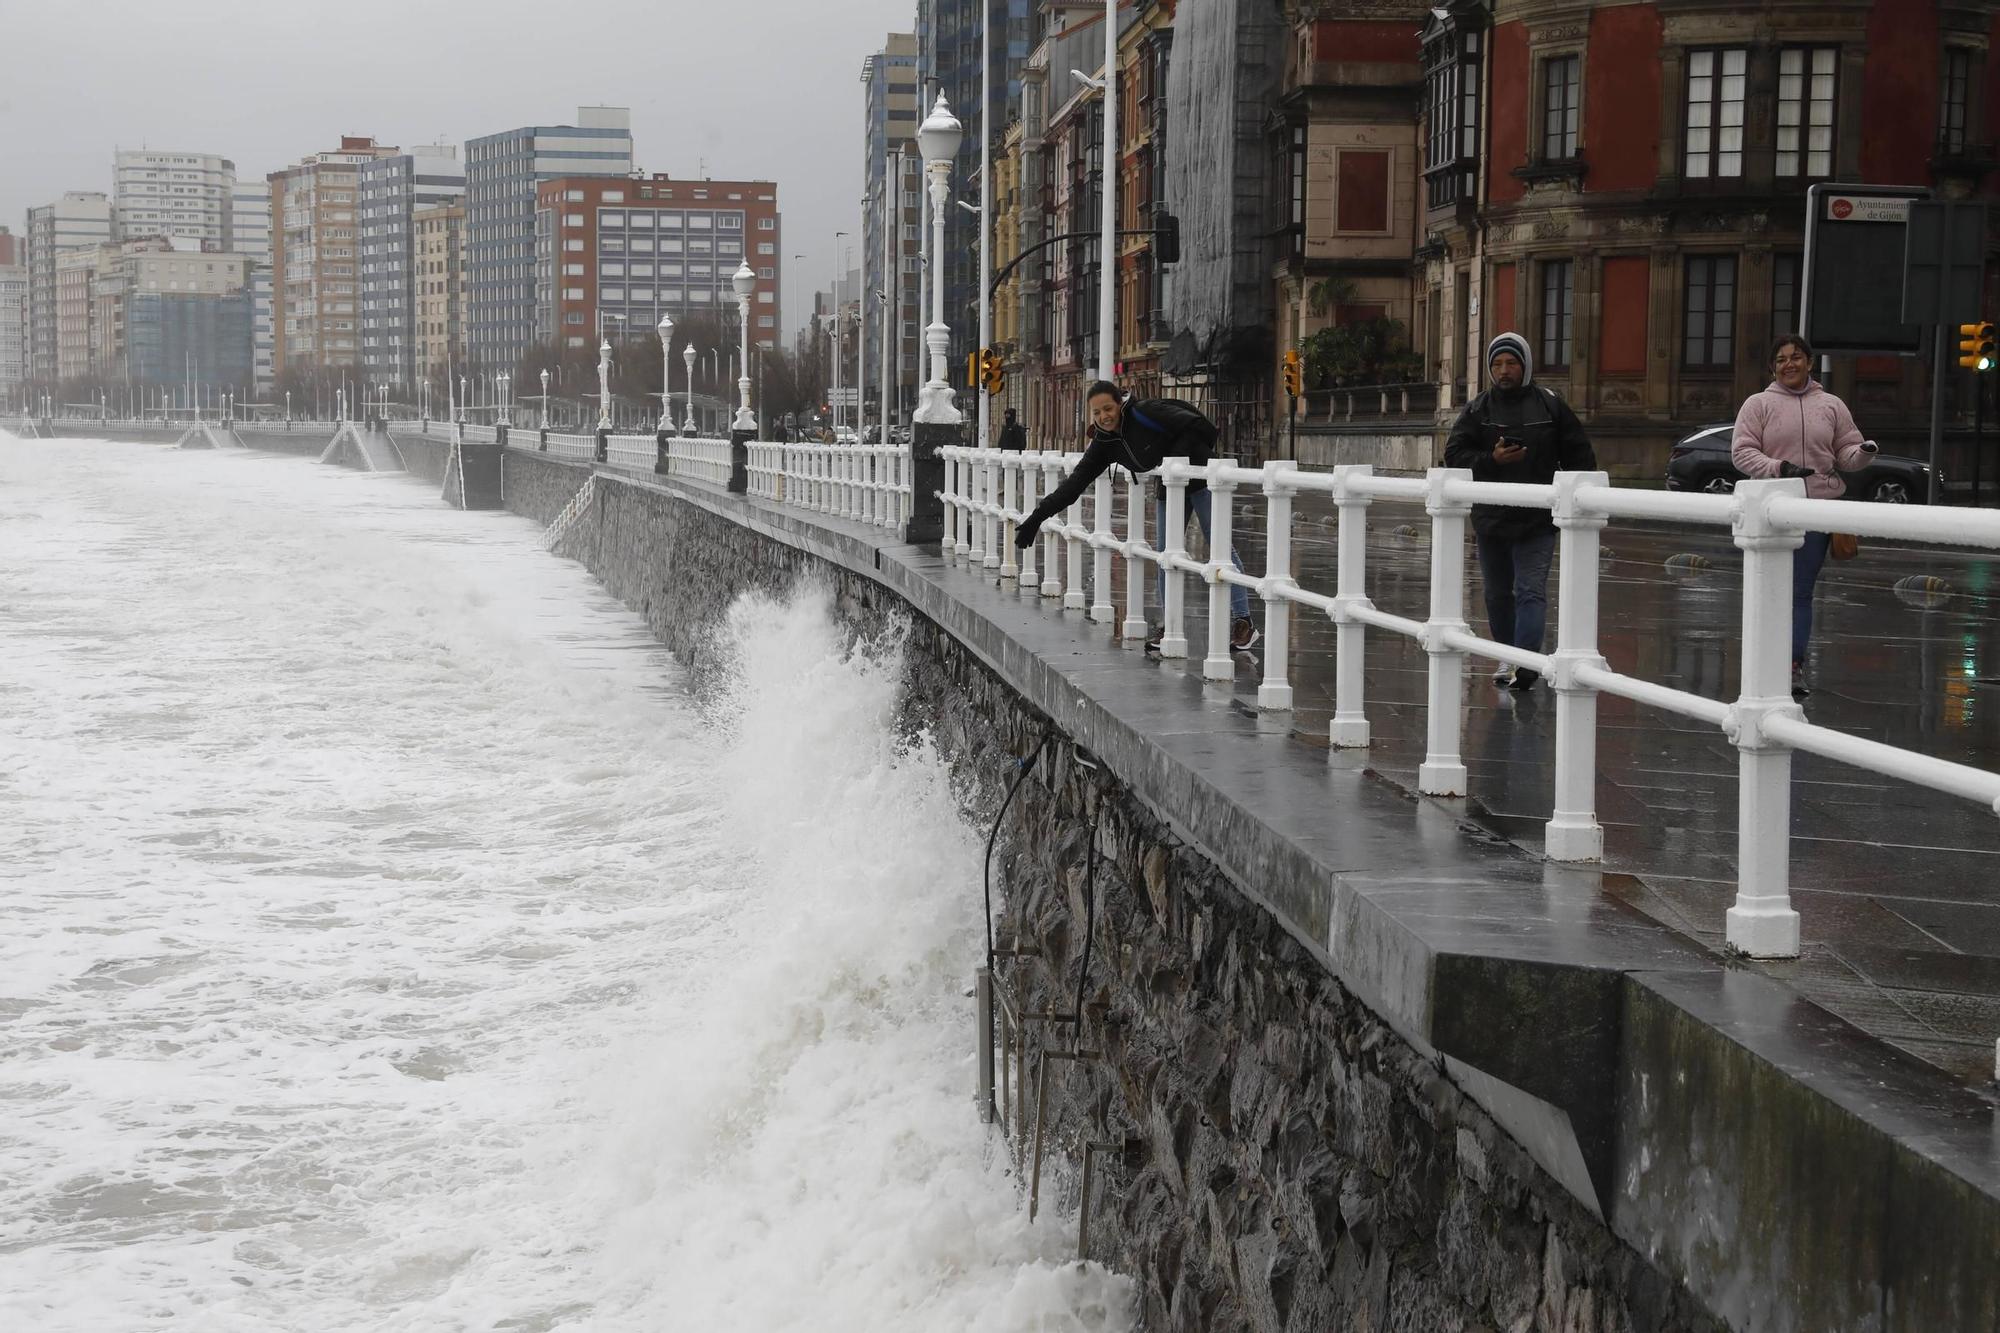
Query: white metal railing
point(866, 483)
point(479, 434)
point(568, 446)
point(988, 491)
point(630, 450)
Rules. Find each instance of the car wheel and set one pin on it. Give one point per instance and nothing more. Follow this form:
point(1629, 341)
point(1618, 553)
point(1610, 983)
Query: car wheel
point(1719, 485)
point(1890, 493)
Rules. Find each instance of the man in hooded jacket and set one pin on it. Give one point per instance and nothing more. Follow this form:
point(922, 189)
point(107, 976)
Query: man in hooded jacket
point(1516, 431)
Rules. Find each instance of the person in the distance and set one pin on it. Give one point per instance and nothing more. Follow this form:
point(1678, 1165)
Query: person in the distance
point(1795, 428)
point(1516, 431)
point(1139, 433)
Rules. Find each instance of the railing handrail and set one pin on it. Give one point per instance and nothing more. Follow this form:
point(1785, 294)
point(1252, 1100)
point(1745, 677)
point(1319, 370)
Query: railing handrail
point(988, 491)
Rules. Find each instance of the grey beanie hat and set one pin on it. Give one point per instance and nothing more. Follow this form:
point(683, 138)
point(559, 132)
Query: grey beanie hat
point(1515, 343)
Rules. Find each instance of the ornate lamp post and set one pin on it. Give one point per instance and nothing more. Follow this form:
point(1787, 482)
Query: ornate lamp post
point(745, 283)
point(666, 373)
point(506, 398)
point(604, 384)
point(687, 362)
point(938, 138)
point(545, 399)
point(461, 397)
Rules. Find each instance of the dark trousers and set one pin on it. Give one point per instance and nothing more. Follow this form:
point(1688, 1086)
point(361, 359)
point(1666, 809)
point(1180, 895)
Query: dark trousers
point(1806, 563)
point(1515, 572)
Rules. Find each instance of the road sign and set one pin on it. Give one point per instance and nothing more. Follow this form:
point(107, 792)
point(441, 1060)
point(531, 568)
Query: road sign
point(1944, 261)
point(1852, 298)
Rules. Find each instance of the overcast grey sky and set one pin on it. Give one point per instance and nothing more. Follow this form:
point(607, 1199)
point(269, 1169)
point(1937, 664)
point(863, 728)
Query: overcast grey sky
point(750, 88)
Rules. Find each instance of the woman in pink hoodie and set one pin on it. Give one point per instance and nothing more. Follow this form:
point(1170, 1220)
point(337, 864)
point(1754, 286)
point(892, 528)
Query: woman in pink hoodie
point(1795, 428)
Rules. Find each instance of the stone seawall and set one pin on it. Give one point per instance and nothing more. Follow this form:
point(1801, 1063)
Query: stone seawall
point(1376, 1096)
point(1282, 1159)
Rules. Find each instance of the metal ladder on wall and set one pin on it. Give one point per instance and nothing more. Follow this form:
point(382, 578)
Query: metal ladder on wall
point(579, 505)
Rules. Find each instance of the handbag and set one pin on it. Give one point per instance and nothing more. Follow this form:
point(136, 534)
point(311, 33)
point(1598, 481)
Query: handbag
point(1844, 546)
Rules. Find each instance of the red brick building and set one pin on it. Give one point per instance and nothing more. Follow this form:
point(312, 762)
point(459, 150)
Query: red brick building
point(615, 250)
point(1625, 183)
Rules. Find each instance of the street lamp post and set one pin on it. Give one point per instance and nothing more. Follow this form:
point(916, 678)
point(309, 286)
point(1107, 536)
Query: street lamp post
point(1107, 261)
point(838, 237)
point(745, 283)
point(506, 383)
point(545, 398)
point(938, 138)
point(687, 363)
point(666, 373)
point(604, 383)
point(461, 398)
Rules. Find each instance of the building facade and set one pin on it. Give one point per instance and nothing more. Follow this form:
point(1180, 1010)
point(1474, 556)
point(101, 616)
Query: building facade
point(503, 176)
point(892, 215)
point(78, 220)
point(1626, 186)
point(250, 233)
point(439, 258)
point(156, 192)
point(315, 239)
point(393, 190)
point(13, 334)
point(616, 254)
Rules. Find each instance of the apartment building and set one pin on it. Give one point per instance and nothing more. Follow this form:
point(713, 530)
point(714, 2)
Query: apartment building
point(892, 216)
point(13, 326)
point(156, 192)
point(440, 281)
point(393, 190)
point(250, 233)
point(619, 253)
point(80, 220)
point(504, 174)
point(315, 241)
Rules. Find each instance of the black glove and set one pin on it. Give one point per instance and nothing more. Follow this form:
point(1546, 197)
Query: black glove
point(1024, 535)
point(1794, 470)
point(1870, 447)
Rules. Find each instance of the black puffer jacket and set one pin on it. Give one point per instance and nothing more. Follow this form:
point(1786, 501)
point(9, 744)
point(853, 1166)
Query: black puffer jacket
point(1150, 431)
point(1531, 416)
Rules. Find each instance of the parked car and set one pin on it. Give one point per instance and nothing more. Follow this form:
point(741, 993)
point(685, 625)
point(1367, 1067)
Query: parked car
point(1700, 462)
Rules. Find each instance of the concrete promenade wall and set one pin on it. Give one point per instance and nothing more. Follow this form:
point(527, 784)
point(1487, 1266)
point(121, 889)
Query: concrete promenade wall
point(1348, 1063)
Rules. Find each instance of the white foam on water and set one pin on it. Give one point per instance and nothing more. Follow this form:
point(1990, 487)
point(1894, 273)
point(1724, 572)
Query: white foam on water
point(387, 943)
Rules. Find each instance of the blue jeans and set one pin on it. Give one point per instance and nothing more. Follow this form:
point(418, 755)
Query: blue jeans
point(1806, 562)
point(1202, 505)
point(1515, 572)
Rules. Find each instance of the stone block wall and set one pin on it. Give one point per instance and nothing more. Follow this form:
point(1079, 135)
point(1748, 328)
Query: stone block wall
point(537, 485)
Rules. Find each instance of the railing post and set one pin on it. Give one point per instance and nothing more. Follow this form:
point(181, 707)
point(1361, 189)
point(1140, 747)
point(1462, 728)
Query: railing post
point(1010, 494)
point(1173, 544)
point(1052, 558)
point(1573, 833)
point(1135, 557)
point(948, 548)
point(1275, 693)
point(1073, 596)
point(1025, 576)
point(967, 489)
point(1763, 923)
point(989, 518)
point(1219, 665)
point(1443, 769)
point(976, 554)
point(1101, 607)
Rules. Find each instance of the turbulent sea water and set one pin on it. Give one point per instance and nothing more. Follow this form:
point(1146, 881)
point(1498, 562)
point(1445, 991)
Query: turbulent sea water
point(387, 941)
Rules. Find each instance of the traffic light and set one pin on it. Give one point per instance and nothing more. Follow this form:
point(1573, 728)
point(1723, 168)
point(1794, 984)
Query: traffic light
point(1293, 379)
point(972, 369)
point(991, 373)
point(1976, 348)
point(1166, 245)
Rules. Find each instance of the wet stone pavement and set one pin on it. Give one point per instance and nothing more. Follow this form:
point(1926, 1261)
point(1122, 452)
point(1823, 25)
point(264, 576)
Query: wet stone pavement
point(1897, 887)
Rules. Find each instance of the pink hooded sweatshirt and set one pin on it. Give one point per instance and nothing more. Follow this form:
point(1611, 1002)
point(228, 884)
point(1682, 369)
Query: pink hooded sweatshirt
point(1811, 428)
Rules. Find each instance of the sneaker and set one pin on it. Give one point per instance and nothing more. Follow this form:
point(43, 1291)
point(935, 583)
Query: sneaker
point(1504, 675)
point(1523, 680)
point(1242, 634)
point(1799, 687)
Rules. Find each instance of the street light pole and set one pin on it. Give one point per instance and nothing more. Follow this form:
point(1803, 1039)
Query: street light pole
point(687, 364)
point(835, 302)
point(745, 283)
point(603, 383)
point(985, 213)
point(939, 138)
point(1108, 169)
point(666, 373)
point(861, 332)
point(545, 398)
